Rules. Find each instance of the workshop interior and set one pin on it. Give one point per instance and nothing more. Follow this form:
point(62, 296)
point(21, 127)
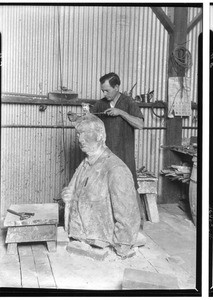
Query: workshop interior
point(52, 57)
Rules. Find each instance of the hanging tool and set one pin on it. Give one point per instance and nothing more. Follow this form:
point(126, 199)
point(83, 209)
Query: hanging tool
point(130, 92)
point(22, 215)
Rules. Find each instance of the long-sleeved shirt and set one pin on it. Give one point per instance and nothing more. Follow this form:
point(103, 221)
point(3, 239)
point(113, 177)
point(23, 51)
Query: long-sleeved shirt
point(103, 205)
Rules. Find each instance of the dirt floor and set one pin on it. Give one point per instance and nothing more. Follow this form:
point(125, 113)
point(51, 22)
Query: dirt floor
point(170, 249)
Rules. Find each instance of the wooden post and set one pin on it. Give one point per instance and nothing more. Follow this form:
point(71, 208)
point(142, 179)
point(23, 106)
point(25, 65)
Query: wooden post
point(171, 191)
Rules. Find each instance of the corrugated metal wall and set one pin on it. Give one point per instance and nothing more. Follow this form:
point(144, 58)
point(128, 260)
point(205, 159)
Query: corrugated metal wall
point(93, 40)
point(33, 168)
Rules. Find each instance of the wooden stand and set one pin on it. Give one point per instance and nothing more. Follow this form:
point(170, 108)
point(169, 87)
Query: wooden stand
point(42, 227)
point(148, 188)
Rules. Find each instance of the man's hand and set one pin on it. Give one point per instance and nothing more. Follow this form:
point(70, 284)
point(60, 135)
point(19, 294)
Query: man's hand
point(66, 194)
point(113, 112)
point(132, 120)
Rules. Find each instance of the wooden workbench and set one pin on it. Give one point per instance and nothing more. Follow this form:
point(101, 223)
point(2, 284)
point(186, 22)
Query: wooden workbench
point(40, 227)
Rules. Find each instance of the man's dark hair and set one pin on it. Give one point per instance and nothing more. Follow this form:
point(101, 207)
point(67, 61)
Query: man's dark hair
point(113, 79)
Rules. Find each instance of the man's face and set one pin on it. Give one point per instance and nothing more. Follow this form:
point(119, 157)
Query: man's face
point(87, 138)
point(109, 91)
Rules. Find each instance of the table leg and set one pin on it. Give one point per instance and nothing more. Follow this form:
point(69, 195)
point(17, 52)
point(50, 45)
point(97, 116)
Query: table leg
point(12, 248)
point(51, 246)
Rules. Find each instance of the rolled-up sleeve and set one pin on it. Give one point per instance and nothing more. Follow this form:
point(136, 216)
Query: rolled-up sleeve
point(124, 205)
point(135, 110)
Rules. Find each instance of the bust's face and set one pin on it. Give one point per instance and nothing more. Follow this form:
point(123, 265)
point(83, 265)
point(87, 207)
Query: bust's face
point(87, 138)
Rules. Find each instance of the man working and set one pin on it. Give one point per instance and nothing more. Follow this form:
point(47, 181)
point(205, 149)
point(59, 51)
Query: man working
point(122, 116)
point(100, 201)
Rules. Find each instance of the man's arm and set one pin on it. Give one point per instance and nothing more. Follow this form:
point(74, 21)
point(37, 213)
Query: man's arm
point(136, 122)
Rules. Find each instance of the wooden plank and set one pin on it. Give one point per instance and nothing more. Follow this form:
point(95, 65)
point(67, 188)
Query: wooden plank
point(15, 98)
point(171, 191)
point(10, 275)
point(163, 18)
point(194, 22)
point(173, 209)
point(40, 253)
point(43, 267)
point(40, 100)
point(171, 241)
point(12, 249)
point(27, 265)
point(45, 276)
point(24, 250)
point(151, 207)
point(177, 226)
point(168, 264)
point(47, 232)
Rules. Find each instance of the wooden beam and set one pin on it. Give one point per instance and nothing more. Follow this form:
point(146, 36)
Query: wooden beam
point(44, 100)
point(194, 22)
point(164, 19)
point(171, 190)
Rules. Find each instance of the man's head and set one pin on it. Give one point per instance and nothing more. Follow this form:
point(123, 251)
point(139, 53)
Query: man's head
point(91, 133)
point(110, 85)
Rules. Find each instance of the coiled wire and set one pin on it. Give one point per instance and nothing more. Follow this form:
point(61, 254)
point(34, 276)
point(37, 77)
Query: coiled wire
point(181, 58)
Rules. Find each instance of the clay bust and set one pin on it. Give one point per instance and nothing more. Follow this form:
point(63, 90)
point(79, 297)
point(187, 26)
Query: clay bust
point(101, 205)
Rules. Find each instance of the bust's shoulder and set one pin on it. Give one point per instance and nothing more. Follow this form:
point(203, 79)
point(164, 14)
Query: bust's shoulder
point(113, 161)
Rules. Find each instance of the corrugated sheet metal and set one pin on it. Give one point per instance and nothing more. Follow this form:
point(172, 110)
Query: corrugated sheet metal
point(191, 123)
point(33, 168)
point(93, 40)
point(148, 142)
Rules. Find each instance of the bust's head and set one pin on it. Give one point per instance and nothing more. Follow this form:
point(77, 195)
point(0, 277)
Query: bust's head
point(91, 133)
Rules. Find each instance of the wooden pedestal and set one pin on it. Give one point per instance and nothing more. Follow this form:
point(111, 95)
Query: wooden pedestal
point(42, 227)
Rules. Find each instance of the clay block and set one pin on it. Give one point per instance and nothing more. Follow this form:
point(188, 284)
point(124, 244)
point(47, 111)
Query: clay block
point(137, 279)
point(83, 249)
